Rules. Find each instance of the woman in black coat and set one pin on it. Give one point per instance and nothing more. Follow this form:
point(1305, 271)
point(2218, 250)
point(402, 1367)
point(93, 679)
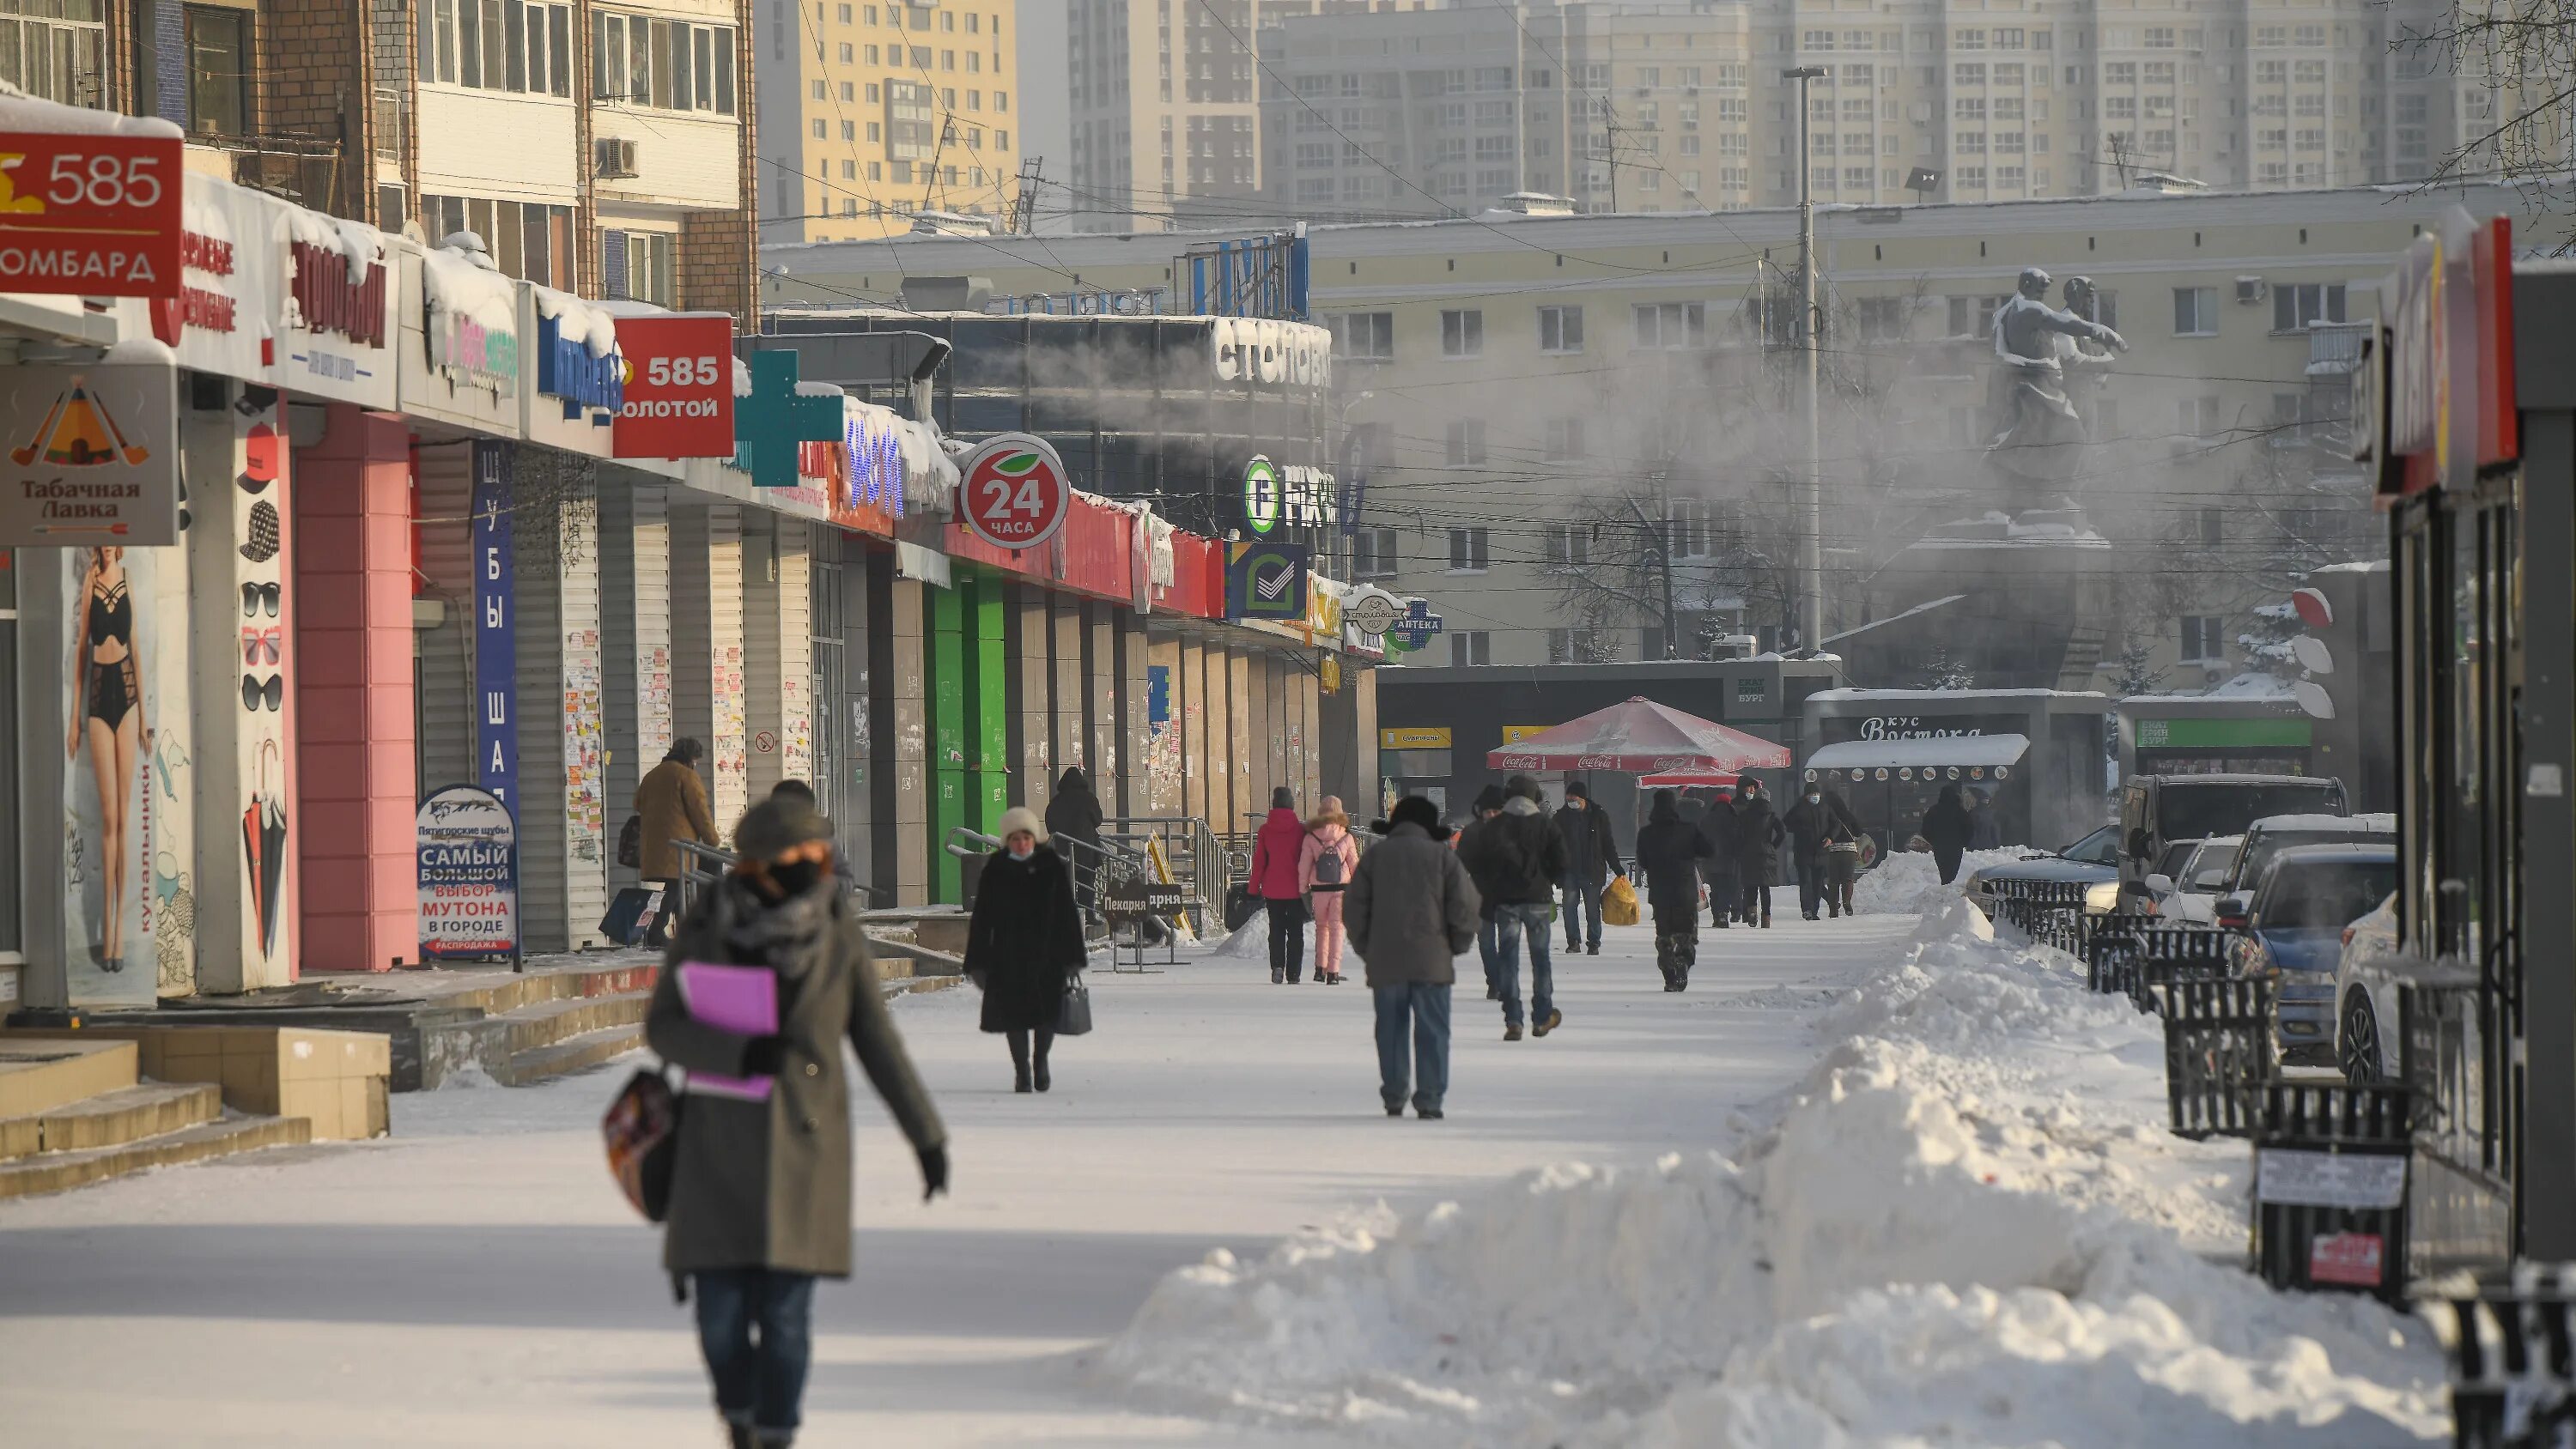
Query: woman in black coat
point(1946, 828)
point(1024, 941)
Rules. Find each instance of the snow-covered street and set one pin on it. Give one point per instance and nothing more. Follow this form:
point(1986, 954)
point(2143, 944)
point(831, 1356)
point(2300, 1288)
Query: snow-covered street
point(477, 1280)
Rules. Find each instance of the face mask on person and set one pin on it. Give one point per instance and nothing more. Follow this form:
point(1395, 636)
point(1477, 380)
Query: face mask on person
point(1022, 852)
point(1814, 799)
point(795, 877)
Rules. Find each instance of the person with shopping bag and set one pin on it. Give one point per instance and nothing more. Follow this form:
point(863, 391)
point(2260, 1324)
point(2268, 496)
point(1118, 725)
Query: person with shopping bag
point(1024, 945)
point(758, 1202)
point(1324, 866)
point(1591, 858)
point(1672, 851)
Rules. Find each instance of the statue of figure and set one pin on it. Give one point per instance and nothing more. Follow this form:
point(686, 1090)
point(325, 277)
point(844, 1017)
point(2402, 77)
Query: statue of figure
point(2040, 437)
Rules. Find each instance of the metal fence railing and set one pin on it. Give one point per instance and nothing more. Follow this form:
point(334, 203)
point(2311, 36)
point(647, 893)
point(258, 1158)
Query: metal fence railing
point(2050, 912)
point(2513, 1370)
point(2218, 1054)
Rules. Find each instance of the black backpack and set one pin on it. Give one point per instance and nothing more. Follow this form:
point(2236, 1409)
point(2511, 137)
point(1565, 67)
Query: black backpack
point(1328, 865)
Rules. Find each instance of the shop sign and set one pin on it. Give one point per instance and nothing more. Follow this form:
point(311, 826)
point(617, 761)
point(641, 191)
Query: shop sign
point(1413, 737)
point(496, 646)
point(1514, 734)
point(89, 214)
point(1415, 629)
point(1912, 727)
point(335, 339)
point(90, 455)
point(468, 861)
point(585, 383)
point(780, 413)
point(1266, 581)
point(2210, 734)
point(1375, 611)
point(2448, 377)
point(865, 468)
point(1016, 492)
point(219, 320)
point(678, 398)
point(1291, 493)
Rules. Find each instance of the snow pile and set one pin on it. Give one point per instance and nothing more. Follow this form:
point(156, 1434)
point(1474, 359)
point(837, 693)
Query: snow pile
point(1966, 1226)
point(1249, 941)
point(360, 246)
point(1908, 883)
point(20, 111)
point(592, 326)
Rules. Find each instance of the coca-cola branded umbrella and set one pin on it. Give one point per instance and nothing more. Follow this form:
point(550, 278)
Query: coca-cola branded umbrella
point(1641, 737)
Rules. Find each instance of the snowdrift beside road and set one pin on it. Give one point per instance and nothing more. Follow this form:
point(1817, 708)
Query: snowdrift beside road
point(1966, 1226)
point(1907, 883)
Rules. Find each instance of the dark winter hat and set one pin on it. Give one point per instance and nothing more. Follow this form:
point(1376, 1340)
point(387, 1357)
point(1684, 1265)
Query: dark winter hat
point(777, 825)
point(1488, 799)
point(1415, 810)
point(1523, 786)
point(686, 750)
point(1283, 798)
point(1577, 790)
point(1665, 807)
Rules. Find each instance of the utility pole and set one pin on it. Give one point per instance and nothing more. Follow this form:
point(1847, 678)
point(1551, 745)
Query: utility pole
point(1811, 546)
point(1610, 149)
point(1662, 539)
point(1024, 207)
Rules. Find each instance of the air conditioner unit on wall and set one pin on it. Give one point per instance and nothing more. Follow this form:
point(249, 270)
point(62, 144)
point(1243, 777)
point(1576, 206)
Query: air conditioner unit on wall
point(2249, 290)
point(616, 156)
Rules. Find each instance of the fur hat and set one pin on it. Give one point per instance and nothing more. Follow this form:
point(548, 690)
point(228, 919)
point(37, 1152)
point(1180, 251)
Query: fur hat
point(1416, 810)
point(1019, 818)
point(1525, 786)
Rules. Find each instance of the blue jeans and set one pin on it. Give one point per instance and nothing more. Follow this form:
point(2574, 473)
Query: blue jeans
point(1424, 1010)
point(762, 1383)
point(1511, 923)
point(1489, 946)
point(1581, 896)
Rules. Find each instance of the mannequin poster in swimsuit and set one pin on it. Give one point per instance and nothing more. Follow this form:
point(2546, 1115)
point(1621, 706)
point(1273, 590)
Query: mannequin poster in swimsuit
point(128, 824)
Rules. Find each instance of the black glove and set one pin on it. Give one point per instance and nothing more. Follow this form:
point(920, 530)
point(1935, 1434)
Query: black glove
point(764, 1056)
point(934, 1172)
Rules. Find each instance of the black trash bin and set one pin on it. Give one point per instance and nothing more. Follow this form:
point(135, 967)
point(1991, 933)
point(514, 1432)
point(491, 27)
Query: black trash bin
point(2330, 1166)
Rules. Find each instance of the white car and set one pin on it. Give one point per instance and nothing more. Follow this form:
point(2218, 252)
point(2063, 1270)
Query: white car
point(2366, 1043)
point(2187, 894)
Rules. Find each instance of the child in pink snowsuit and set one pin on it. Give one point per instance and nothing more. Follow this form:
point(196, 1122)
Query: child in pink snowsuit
point(1324, 866)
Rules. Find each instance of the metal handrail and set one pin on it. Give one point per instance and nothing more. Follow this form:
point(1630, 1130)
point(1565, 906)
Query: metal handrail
point(694, 857)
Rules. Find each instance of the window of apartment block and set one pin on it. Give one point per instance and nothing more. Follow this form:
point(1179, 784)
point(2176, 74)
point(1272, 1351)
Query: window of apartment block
point(1472, 647)
point(219, 67)
point(2197, 417)
point(1560, 329)
point(2213, 526)
point(1885, 319)
point(1569, 646)
point(1373, 553)
point(2201, 639)
point(1973, 316)
point(1564, 439)
point(57, 51)
point(1462, 333)
point(2195, 311)
point(669, 65)
point(497, 45)
point(2297, 306)
point(1467, 550)
point(1369, 335)
point(1687, 530)
point(1568, 545)
point(1467, 441)
point(1670, 326)
point(525, 239)
point(636, 266)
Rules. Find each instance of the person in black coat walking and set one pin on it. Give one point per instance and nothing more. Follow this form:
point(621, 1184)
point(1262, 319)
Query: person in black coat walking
point(1671, 852)
point(1947, 827)
point(1725, 894)
point(1816, 821)
point(1073, 813)
point(1024, 944)
point(1591, 857)
point(1758, 834)
point(1489, 803)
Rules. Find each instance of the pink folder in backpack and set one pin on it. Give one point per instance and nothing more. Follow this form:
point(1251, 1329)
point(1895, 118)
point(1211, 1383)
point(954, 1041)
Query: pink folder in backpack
point(740, 999)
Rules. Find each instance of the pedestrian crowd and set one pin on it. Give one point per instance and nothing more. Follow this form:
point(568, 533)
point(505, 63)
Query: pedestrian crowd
point(767, 973)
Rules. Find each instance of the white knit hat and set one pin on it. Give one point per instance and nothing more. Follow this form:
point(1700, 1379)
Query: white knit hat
point(1019, 818)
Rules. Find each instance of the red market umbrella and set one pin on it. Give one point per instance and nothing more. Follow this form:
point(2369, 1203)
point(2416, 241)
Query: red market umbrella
point(1687, 780)
point(1641, 737)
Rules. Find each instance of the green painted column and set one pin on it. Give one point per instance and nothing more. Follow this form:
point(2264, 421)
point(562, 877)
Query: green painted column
point(948, 793)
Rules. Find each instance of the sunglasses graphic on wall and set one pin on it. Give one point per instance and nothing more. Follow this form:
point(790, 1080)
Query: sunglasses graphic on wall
point(260, 646)
point(254, 595)
point(273, 693)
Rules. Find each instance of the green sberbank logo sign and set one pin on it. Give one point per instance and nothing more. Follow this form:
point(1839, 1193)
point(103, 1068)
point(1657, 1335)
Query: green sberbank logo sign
point(1263, 498)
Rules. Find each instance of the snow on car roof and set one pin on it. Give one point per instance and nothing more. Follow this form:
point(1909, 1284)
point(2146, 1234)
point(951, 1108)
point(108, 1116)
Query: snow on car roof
point(2378, 823)
point(1940, 751)
point(2337, 850)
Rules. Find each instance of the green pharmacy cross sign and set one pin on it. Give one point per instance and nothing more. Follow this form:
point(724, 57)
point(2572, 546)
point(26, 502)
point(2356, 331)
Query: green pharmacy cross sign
point(769, 425)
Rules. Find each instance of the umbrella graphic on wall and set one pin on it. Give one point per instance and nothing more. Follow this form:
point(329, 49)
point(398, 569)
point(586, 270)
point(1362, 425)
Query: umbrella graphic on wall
point(264, 846)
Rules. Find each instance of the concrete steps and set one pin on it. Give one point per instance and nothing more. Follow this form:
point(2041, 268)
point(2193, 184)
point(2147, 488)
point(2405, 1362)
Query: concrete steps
point(112, 1119)
point(58, 1171)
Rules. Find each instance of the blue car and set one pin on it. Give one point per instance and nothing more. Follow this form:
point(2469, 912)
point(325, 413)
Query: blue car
point(2292, 928)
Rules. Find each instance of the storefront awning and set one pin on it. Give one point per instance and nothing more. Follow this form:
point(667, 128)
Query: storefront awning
point(1946, 750)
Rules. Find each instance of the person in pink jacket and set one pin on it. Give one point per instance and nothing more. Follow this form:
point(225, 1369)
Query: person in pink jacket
point(1324, 866)
point(1275, 850)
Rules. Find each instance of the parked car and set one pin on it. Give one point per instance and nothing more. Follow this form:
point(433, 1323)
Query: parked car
point(2292, 925)
point(2186, 894)
point(2157, 810)
point(2272, 834)
point(2366, 1042)
point(2093, 861)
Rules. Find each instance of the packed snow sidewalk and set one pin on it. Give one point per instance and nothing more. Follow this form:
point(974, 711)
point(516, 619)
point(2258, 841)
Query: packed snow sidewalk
point(1966, 1225)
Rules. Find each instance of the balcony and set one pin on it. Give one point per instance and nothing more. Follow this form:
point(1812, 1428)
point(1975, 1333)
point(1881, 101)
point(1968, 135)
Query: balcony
point(301, 169)
point(2334, 348)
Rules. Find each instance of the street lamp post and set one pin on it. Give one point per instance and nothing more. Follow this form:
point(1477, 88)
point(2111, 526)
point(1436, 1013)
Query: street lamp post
point(1811, 559)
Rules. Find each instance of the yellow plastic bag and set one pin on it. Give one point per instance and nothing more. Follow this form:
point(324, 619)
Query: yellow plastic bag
point(1619, 903)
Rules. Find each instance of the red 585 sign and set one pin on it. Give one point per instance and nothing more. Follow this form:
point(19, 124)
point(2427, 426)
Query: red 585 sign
point(1016, 493)
point(89, 214)
point(679, 386)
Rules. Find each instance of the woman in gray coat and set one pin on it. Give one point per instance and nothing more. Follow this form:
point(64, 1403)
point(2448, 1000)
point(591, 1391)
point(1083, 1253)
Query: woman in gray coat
point(1410, 912)
point(760, 1191)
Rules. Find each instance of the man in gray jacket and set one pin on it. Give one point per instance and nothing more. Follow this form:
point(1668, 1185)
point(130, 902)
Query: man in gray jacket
point(1410, 913)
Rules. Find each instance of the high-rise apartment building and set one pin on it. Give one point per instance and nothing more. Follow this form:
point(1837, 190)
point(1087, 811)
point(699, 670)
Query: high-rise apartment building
point(871, 114)
point(1657, 107)
point(1166, 110)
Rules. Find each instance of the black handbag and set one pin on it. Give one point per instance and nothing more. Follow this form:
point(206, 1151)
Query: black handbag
point(642, 1133)
point(1073, 1017)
